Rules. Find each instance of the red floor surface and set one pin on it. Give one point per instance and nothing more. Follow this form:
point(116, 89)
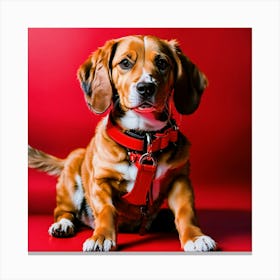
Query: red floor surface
point(228, 222)
point(231, 229)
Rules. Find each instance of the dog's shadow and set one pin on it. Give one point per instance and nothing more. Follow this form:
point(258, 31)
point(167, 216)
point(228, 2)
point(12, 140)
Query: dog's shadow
point(219, 224)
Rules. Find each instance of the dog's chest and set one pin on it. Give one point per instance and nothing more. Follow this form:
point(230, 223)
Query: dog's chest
point(129, 173)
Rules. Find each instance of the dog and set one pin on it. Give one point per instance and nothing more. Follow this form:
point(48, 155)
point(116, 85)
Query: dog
point(138, 157)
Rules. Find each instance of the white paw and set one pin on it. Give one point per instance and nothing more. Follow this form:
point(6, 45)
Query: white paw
point(90, 245)
point(63, 228)
point(201, 244)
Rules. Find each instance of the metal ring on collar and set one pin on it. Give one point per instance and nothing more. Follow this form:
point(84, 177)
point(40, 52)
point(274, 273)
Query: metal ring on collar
point(148, 157)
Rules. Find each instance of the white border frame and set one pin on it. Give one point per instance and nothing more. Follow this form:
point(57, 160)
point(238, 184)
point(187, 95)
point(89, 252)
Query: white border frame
point(17, 16)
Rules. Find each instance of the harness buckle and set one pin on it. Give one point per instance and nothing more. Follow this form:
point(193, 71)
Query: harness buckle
point(147, 157)
point(149, 143)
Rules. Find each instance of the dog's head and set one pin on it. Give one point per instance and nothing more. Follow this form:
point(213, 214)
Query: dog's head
point(139, 73)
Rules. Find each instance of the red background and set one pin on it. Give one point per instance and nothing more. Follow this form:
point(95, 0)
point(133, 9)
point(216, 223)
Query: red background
point(220, 130)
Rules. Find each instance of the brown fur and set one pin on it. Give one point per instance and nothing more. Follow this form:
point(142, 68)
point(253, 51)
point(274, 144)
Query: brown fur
point(102, 166)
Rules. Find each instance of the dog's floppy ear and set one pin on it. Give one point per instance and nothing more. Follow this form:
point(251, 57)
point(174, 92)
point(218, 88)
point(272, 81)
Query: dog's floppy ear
point(94, 78)
point(189, 84)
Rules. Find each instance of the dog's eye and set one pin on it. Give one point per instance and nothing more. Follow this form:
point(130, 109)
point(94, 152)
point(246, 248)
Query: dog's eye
point(125, 64)
point(162, 64)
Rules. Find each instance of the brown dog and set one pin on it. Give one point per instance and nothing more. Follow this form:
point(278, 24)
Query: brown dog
point(138, 157)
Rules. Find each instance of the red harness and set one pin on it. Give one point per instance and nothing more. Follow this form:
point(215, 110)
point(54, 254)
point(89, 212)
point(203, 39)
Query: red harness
point(141, 151)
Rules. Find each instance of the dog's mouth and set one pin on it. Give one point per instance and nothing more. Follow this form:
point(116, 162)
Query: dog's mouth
point(145, 107)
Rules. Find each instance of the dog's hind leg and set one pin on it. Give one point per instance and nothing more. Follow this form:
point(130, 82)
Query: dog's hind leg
point(69, 197)
point(64, 225)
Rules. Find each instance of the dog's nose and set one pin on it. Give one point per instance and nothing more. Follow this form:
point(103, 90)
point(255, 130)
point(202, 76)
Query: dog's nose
point(146, 89)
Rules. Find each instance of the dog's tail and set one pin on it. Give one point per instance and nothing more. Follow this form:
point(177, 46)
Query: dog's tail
point(44, 162)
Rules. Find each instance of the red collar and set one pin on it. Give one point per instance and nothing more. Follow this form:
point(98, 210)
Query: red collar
point(150, 143)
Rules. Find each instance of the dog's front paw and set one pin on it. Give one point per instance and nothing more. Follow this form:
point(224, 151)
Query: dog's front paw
point(63, 228)
point(98, 243)
point(201, 244)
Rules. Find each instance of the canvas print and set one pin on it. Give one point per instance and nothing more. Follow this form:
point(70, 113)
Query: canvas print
point(139, 140)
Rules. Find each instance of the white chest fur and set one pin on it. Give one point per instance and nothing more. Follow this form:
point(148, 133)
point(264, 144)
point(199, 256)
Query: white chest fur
point(134, 120)
point(129, 173)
